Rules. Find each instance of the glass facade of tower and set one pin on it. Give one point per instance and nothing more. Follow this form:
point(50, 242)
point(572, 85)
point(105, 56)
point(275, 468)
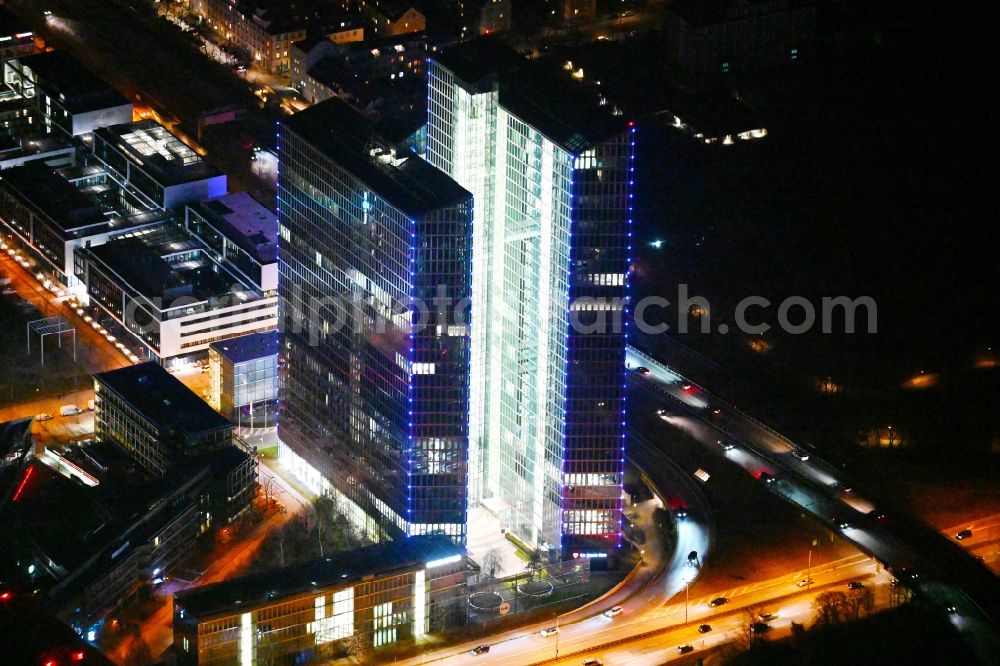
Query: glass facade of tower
point(375, 386)
point(550, 273)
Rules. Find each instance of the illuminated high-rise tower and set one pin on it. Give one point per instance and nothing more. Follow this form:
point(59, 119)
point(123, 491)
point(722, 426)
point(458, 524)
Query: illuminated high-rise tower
point(374, 399)
point(549, 163)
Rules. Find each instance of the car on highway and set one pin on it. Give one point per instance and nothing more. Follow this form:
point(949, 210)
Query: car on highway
point(592, 662)
point(684, 649)
point(642, 370)
point(766, 617)
point(805, 581)
point(951, 609)
point(43, 417)
point(704, 629)
point(800, 454)
point(840, 523)
point(964, 534)
point(766, 478)
point(726, 445)
point(855, 585)
point(611, 612)
point(685, 387)
point(681, 512)
point(480, 649)
point(550, 631)
point(904, 573)
point(718, 601)
point(716, 411)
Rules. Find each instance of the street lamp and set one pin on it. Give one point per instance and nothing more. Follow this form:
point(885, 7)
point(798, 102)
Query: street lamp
point(809, 564)
point(557, 635)
point(687, 599)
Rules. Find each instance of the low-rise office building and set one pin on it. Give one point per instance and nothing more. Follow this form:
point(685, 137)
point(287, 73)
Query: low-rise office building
point(69, 97)
point(87, 528)
point(48, 218)
point(379, 595)
point(242, 233)
point(52, 151)
point(153, 168)
point(243, 379)
point(167, 429)
point(173, 293)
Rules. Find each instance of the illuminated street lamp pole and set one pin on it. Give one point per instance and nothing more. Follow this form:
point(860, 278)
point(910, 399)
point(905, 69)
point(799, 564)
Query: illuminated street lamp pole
point(687, 599)
point(557, 636)
point(809, 565)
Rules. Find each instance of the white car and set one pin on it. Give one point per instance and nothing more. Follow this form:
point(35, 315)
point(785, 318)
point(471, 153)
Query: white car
point(551, 631)
point(800, 454)
point(43, 417)
point(611, 612)
point(804, 582)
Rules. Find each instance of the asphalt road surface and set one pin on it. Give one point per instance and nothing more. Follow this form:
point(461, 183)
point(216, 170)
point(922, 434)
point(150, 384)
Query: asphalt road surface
point(933, 564)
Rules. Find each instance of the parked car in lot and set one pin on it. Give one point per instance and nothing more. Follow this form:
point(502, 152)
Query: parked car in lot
point(69, 410)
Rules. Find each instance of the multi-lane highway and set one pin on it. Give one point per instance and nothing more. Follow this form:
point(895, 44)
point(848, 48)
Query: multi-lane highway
point(663, 576)
point(652, 625)
point(932, 564)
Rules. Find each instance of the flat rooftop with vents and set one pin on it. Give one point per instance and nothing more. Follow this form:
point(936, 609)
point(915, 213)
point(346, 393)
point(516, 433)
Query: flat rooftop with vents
point(170, 174)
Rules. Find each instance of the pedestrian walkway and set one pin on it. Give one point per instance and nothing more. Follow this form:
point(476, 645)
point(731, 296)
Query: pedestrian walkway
point(486, 536)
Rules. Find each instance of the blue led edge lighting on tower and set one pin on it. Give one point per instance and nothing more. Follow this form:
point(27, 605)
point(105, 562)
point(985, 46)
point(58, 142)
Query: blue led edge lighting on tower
point(409, 387)
point(626, 311)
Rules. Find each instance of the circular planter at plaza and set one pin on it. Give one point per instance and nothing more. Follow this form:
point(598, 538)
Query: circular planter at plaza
point(535, 588)
point(485, 601)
